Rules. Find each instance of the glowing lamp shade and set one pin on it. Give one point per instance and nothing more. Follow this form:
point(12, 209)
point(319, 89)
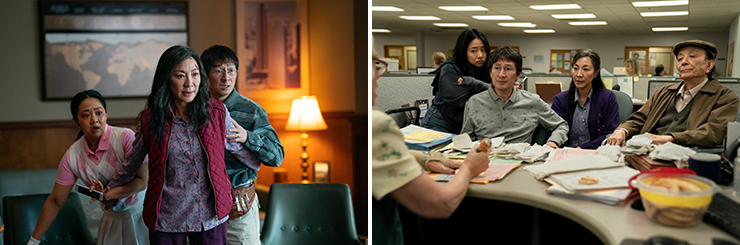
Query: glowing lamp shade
point(305, 115)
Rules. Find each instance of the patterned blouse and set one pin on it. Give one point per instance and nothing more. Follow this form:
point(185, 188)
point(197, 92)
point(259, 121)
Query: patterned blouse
point(187, 202)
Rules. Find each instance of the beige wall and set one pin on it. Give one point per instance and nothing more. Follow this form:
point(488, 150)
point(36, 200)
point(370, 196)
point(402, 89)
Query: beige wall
point(331, 54)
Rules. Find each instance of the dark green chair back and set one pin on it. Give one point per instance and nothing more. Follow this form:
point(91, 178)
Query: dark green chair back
point(625, 105)
point(310, 214)
point(539, 135)
point(20, 214)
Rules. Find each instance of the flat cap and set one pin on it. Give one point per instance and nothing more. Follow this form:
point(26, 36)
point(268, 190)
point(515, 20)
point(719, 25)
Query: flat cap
point(709, 47)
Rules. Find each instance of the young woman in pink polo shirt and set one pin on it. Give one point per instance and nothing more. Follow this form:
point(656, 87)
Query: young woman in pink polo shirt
point(93, 158)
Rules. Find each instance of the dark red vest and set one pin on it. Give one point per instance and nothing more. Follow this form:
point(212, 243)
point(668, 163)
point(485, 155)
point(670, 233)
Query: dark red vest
point(212, 138)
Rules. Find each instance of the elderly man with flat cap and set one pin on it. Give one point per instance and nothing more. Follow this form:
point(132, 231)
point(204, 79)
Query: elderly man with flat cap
point(694, 112)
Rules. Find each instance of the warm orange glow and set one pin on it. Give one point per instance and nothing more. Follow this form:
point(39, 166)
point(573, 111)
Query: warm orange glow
point(305, 115)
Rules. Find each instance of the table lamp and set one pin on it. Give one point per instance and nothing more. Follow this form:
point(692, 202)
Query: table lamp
point(305, 116)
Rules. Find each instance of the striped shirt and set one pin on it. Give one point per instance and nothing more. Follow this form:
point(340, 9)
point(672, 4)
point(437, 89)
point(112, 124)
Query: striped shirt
point(262, 142)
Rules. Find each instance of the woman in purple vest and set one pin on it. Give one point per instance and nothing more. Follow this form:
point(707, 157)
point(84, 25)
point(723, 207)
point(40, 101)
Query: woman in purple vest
point(185, 133)
point(591, 110)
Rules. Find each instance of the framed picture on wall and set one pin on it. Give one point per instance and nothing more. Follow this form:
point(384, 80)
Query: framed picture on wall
point(320, 172)
point(272, 46)
point(111, 47)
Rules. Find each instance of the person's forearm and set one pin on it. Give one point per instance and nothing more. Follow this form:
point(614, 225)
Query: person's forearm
point(265, 143)
point(135, 186)
point(48, 213)
point(456, 189)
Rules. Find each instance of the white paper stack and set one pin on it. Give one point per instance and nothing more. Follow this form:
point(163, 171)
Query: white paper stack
point(571, 164)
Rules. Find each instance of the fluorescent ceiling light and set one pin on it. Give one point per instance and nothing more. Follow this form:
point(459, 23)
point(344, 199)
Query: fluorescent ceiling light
point(573, 16)
point(420, 18)
point(451, 24)
point(587, 23)
point(493, 17)
point(463, 8)
point(655, 14)
point(660, 3)
point(670, 28)
point(555, 6)
point(386, 8)
point(382, 30)
point(540, 31)
point(515, 24)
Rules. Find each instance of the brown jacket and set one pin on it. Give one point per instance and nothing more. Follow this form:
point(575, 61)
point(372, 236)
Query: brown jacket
point(714, 106)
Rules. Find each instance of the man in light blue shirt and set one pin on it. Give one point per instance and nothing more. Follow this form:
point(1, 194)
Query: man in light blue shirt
point(504, 110)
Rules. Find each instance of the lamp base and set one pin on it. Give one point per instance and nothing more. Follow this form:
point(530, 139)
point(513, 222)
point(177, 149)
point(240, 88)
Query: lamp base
point(304, 157)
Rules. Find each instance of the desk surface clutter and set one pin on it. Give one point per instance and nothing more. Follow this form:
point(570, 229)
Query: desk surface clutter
point(600, 209)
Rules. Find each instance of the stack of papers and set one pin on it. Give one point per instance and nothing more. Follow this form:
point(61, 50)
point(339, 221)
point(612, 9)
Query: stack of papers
point(571, 164)
point(423, 139)
point(568, 166)
point(497, 170)
point(609, 178)
point(643, 162)
point(609, 197)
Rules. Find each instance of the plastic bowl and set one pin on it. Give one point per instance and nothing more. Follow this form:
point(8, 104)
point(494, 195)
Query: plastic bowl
point(675, 207)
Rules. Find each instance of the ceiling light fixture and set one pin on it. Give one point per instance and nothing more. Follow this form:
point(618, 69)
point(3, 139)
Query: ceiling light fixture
point(540, 31)
point(660, 3)
point(517, 24)
point(493, 17)
point(555, 6)
point(573, 16)
point(656, 14)
point(670, 28)
point(386, 8)
point(587, 23)
point(420, 17)
point(381, 31)
point(451, 24)
point(463, 8)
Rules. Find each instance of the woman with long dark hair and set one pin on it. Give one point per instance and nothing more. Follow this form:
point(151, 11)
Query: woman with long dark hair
point(93, 158)
point(185, 133)
point(458, 78)
point(592, 111)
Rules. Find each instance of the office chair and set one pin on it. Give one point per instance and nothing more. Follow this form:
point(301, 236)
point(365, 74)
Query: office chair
point(625, 105)
point(401, 116)
point(539, 136)
point(310, 214)
point(20, 214)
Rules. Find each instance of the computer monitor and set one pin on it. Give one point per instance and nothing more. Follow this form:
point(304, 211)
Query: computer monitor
point(424, 70)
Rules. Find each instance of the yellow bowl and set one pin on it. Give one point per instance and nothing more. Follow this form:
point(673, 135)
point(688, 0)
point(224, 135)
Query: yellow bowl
point(674, 207)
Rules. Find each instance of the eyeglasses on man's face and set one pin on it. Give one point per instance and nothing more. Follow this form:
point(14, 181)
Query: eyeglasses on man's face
point(497, 69)
point(380, 66)
point(220, 71)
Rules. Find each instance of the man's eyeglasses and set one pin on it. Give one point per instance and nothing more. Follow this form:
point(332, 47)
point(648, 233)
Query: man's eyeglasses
point(508, 70)
point(221, 71)
point(380, 66)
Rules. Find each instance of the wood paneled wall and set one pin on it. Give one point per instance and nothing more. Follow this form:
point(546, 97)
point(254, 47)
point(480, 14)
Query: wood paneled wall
point(39, 145)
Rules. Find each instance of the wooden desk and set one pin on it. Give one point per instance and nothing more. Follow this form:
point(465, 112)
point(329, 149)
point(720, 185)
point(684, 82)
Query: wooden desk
point(611, 224)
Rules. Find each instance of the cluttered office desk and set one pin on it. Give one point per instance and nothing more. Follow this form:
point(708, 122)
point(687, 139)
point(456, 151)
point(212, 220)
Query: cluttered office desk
point(611, 224)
